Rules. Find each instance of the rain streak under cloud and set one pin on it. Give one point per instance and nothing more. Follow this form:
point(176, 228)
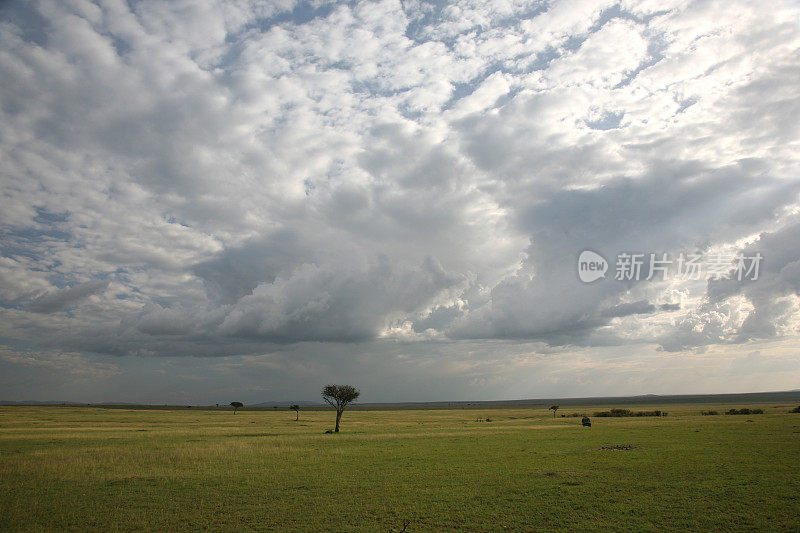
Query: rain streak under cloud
point(213, 200)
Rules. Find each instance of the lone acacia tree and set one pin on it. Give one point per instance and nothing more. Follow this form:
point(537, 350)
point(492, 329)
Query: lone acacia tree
point(296, 408)
point(339, 396)
point(554, 408)
point(236, 405)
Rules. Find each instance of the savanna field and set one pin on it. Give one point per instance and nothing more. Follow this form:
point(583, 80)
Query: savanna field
point(86, 468)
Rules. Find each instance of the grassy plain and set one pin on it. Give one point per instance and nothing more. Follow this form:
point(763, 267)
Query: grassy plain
point(83, 468)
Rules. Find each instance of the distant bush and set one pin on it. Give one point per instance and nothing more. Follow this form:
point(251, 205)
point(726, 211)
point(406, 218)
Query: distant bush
point(614, 412)
point(744, 411)
point(708, 413)
point(628, 412)
point(795, 410)
point(579, 415)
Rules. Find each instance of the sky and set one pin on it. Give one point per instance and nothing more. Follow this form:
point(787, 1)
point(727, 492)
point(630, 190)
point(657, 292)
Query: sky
point(206, 201)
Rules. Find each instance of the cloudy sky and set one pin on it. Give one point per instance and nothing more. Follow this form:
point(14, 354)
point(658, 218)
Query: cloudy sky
point(214, 201)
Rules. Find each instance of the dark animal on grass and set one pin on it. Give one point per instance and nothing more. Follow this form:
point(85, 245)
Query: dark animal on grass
point(405, 525)
point(339, 396)
point(586, 422)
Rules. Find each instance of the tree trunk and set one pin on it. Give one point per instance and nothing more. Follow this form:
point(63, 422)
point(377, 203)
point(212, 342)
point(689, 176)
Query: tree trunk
point(298, 416)
point(338, 417)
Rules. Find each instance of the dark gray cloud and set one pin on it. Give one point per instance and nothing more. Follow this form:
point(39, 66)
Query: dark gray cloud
point(58, 300)
point(317, 304)
point(235, 272)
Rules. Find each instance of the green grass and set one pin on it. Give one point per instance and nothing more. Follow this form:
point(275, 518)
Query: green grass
point(82, 468)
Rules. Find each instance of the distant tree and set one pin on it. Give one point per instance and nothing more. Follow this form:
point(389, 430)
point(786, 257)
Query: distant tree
point(236, 405)
point(554, 408)
point(339, 396)
point(296, 408)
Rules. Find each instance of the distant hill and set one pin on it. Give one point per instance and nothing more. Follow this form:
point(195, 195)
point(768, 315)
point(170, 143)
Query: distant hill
point(34, 402)
point(738, 398)
point(284, 404)
point(747, 397)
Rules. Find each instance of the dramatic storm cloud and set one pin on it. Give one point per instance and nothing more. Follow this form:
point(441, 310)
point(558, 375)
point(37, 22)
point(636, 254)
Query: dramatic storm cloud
point(205, 201)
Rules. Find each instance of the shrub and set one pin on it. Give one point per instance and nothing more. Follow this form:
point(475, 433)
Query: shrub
point(708, 413)
point(744, 411)
point(614, 412)
point(627, 412)
point(650, 413)
point(795, 410)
